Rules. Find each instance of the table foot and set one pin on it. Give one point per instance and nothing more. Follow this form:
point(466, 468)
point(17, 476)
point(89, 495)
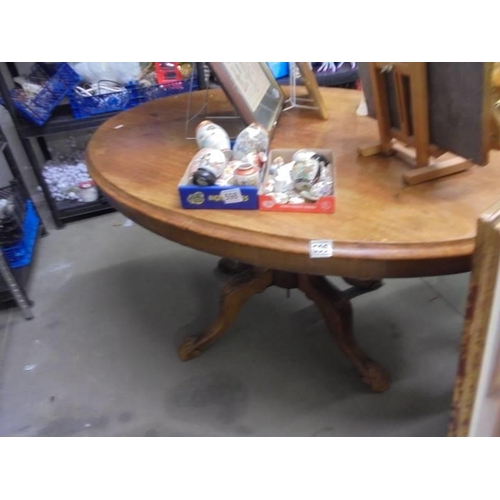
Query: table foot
point(189, 348)
point(233, 295)
point(336, 309)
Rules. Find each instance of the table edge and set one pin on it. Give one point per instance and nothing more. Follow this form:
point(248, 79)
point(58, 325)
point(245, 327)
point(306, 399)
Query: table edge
point(351, 259)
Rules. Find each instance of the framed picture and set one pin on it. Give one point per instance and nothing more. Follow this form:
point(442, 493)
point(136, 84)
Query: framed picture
point(253, 91)
point(476, 396)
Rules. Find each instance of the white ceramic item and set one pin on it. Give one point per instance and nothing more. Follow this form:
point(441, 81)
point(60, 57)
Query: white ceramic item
point(211, 135)
point(206, 166)
point(247, 175)
point(88, 191)
point(253, 139)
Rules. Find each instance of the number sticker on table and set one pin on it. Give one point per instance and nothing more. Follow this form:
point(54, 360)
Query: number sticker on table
point(231, 196)
point(320, 249)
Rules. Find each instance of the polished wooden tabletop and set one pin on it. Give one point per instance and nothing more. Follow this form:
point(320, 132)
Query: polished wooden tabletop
point(381, 227)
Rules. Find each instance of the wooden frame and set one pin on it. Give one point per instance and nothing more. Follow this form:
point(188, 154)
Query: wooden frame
point(425, 110)
point(253, 91)
point(459, 93)
point(311, 84)
point(476, 402)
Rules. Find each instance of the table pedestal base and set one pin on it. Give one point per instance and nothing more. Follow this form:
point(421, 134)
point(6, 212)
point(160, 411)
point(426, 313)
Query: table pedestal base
point(334, 305)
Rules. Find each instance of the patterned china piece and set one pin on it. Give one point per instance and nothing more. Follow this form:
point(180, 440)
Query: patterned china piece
point(305, 173)
point(247, 175)
point(211, 135)
point(303, 155)
point(206, 166)
point(253, 139)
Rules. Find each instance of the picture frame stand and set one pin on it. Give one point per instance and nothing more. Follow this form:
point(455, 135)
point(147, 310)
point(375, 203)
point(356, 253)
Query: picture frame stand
point(409, 141)
point(313, 100)
point(202, 113)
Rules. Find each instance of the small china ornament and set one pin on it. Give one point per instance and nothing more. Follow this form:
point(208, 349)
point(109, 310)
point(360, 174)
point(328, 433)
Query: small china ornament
point(253, 139)
point(206, 166)
point(247, 175)
point(211, 135)
point(305, 173)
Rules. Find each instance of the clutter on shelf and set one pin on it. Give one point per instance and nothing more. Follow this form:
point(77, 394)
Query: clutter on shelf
point(120, 72)
point(94, 88)
point(20, 254)
point(38, 93)
point(98, 98)
point(12, 211)
point(66, 173)
point(64, 180)
point(123, 86)
point(19, 224)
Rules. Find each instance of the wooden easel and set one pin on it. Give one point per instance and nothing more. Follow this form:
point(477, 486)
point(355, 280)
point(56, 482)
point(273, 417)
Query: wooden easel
point(409, 139)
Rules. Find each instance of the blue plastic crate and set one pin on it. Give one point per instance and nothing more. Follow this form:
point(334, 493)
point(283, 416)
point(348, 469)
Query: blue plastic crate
point(85, 106)
point(20, 254)
point(56, 81)
point(279, 69)
point(11, 224)
point(142, 94)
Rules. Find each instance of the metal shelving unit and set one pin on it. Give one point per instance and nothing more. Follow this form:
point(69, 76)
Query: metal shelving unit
point(13, 282)
point(61, 122)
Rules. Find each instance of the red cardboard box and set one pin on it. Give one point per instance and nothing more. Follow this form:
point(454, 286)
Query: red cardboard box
point(325, 205)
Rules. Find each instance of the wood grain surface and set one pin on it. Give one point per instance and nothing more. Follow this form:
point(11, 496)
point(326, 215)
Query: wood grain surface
point(381, 227)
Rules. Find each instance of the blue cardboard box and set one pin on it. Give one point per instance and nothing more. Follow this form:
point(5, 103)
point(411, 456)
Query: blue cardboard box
point(217, 197)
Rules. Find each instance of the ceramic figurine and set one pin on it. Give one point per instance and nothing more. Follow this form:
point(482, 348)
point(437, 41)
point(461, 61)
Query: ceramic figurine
point(253, 139)
point(305, 173)
point(88, 191)
point(211, 135)
point(256, 159)
point(227, 176)
point(269, 186)
point(247, 175)
point(277, 162)
point(283, 182)
point(206, 166)
point(303, 155)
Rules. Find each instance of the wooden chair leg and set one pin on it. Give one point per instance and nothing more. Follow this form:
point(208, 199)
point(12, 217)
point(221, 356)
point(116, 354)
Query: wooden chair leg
point(337, 312)
point(233, 295)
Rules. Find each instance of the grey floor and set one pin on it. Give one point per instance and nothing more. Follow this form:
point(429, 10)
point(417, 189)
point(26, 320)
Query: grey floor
point(112, 301)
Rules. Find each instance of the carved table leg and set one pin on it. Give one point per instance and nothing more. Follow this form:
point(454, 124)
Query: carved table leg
point(337, 312)
point(233, 295)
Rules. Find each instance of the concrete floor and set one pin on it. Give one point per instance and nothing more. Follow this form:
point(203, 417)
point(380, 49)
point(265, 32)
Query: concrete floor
point(112, 301)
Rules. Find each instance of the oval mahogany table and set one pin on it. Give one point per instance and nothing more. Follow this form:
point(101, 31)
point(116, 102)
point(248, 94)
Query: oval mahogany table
point(381, 228)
